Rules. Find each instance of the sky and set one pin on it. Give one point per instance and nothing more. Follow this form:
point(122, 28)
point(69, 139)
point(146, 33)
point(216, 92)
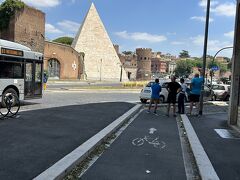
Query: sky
point(168, 26)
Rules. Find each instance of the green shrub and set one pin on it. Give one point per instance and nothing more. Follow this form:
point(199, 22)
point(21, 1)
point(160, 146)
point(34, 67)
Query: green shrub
point(7, 10)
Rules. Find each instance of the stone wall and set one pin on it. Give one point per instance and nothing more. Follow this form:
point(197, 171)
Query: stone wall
point(27, 27)
point(71, 62)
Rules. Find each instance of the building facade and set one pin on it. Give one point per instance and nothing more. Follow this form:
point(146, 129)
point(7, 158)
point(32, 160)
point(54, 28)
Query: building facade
point(63, 62)
point(158, 66)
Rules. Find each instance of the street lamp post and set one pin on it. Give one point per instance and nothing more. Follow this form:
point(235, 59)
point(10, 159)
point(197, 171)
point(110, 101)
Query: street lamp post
point(121, 73)
point(100, 69)
point(204, 56)
point(230, 47)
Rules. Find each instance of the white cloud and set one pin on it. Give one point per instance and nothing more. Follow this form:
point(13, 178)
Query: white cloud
point(42, 3)
point(229, 34)
point(223, 9)
point(52, 29)
point(226, 9)
point(69, 25)
point(141, 36)
point(213, 45)
point(201, 18)
point(177, 43)
point(203, 3)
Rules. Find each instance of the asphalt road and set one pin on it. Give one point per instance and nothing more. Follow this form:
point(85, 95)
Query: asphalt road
point(37, 139)
point(64, 98)
point(79, 84)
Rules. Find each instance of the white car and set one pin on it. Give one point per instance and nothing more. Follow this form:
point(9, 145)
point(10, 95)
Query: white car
point(221, 91)
point(146, 92)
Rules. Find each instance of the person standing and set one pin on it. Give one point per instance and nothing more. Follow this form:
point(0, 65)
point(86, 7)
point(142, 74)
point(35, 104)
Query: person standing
point(156, 89)
point(173, 88)
point(45, 78)
point(181, 97)
point(195, 86)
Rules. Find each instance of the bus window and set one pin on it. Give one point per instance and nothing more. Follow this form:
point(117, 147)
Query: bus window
point(11, 70)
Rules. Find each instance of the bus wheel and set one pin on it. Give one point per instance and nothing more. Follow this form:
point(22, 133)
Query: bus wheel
point(12, 95)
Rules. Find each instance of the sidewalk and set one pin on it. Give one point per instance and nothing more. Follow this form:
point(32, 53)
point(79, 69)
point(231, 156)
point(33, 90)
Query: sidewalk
point(223, 148)
point(148, 149)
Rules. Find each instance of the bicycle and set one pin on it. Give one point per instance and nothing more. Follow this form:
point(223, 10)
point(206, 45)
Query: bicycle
point(9, 105)
point(153, 141)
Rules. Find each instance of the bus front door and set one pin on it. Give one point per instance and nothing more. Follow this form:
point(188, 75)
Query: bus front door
point(28, 84)
point(33, 80)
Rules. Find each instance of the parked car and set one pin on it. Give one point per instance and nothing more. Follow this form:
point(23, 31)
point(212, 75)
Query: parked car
point(221, 92)
point(146, 92)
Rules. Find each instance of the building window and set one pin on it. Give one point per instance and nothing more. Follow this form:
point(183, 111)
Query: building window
point(145, 58)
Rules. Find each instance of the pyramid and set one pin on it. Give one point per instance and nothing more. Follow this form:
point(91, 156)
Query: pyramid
point(101, 61)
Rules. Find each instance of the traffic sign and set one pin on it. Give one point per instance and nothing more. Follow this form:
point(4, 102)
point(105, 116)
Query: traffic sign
point(215, 68)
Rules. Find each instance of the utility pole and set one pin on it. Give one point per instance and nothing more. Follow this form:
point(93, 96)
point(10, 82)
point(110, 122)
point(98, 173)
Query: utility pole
point(235, 79)
point(101, 70)
point(204, 56)
point(121, 73)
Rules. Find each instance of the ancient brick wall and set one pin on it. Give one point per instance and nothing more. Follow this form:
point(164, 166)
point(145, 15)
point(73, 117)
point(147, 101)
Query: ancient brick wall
point(71, 65)
point(144, 56)
point(27, 27)
point(30, 28)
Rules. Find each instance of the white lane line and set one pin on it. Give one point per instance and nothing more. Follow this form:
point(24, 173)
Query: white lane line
point(63, 166)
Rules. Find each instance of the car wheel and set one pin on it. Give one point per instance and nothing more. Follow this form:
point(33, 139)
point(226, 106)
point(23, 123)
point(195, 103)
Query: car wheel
point(227, 98)
point(214, 98)
point(161, 99)
point(144, 101)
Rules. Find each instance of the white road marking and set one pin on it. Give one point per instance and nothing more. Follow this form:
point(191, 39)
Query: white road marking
point(152, 130)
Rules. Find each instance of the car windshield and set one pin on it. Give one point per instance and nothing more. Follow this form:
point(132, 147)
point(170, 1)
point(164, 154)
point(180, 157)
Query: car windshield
point(165, 85)
point(150, 84)
point(217, 87)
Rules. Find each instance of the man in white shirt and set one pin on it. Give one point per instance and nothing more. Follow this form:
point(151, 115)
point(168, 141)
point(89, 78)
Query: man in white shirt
point(181, 97)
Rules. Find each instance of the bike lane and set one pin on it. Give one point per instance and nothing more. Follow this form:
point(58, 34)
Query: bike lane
point(148, 149)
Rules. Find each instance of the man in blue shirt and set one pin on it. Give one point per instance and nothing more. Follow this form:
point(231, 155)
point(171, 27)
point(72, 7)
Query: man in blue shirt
point(196, 85)
point(156, 89)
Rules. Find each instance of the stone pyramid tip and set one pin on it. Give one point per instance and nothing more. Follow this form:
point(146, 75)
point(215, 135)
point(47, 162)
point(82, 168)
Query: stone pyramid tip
point(92, 5)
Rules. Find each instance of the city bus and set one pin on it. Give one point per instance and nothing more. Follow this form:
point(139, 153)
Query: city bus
point(21, 71)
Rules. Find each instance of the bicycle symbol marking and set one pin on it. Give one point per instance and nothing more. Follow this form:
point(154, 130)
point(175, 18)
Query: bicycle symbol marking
point(153, 141)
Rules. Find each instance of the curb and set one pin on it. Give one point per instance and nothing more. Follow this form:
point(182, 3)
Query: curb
point(166, 104)
point(206, 170)
point(64, 165)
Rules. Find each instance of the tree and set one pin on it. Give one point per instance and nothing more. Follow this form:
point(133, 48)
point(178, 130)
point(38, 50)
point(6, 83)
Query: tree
point(127, 52)
point(229, 66)
point(184, 54)
point(183, 68)
point(212, 64)
point(7, 10)
point(64, 40)
point(223, 68)
point(227, 59)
